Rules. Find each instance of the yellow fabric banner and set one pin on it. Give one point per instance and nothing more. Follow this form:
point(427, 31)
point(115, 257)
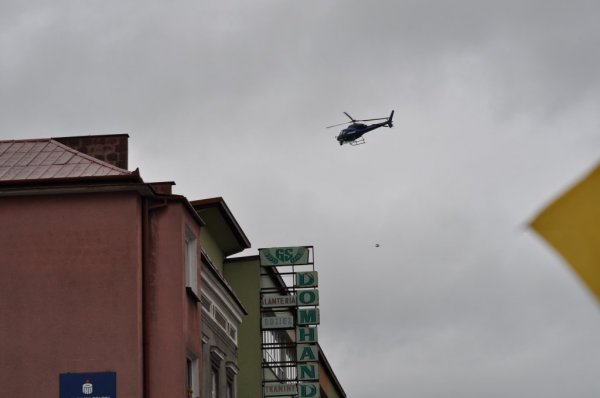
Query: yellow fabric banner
point(571, 224)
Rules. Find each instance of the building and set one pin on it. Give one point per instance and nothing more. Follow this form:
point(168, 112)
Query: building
point(111, 284)
point(222, 311)
point(97, 274)
point(270, 355)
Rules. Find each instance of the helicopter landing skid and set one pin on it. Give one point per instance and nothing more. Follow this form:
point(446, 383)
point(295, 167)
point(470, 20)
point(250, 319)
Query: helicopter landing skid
point(358, 141)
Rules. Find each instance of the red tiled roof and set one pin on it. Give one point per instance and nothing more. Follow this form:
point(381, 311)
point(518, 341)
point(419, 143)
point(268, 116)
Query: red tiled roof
point(46, 159)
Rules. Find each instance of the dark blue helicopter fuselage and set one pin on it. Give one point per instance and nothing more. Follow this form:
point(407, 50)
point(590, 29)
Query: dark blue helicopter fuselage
point(356, 130)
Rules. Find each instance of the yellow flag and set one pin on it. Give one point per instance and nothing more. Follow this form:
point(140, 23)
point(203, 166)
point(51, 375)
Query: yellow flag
point(571, 224)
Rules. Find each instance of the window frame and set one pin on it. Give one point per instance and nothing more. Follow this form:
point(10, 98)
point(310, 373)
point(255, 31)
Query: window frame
point(212, 309)
point(214, 381)
point(192, 378)
point(190, 249)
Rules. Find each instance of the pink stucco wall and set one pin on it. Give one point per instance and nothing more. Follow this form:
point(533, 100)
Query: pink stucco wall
point(70, 282)
point(174, 319)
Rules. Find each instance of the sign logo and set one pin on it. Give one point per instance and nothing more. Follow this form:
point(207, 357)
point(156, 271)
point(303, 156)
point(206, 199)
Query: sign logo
point(87, 387)
point(284, 256)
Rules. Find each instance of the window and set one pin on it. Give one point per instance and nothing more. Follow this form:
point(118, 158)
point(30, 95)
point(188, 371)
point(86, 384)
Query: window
point(206, 303)
point(229, 388)
point(216, 363)
point(279, 353)
point(214, 382)
point(220, 318)
point(191, 264)
point(192, 387)
point(231, 372)
point(232, 332)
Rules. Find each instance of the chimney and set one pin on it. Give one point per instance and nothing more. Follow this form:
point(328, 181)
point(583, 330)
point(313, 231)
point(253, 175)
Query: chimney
point(110, 148)
point(164, 188)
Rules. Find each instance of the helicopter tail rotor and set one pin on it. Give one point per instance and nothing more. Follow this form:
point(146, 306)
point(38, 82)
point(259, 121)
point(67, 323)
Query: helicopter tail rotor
point(390, 120)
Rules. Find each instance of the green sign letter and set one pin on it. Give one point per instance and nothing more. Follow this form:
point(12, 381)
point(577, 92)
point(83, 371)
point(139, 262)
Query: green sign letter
point(308, 297)
point(308, 316)
point(306, 335)
point(307, 279)
point(306, 352)
point(308, 390)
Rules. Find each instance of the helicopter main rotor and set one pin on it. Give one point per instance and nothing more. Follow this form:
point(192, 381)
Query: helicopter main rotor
point(356, 120)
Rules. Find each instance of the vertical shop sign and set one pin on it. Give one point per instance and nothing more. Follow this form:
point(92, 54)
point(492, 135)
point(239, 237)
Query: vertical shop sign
point(298, 309)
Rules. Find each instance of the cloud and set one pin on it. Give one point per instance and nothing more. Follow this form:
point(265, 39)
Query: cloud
point(496, 112)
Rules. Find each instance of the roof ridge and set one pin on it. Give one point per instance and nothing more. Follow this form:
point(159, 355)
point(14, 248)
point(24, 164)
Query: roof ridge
point(27, 140)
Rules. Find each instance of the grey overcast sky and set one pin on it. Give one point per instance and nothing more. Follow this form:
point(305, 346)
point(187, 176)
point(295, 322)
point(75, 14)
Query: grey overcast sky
point(496, 113)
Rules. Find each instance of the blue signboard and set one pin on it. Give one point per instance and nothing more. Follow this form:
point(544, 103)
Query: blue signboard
point(88, 385)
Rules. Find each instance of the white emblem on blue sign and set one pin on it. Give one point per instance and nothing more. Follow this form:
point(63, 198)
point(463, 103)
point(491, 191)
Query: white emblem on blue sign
point(87, 387)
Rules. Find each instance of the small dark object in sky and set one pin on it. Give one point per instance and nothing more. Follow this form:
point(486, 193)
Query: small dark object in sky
point(353, 134)
point(376, 244)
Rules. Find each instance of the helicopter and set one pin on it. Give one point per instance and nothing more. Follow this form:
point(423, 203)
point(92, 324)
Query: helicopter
point(353, 134)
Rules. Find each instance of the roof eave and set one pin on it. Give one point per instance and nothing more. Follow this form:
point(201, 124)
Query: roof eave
point(130, 177)
point(219, 203)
